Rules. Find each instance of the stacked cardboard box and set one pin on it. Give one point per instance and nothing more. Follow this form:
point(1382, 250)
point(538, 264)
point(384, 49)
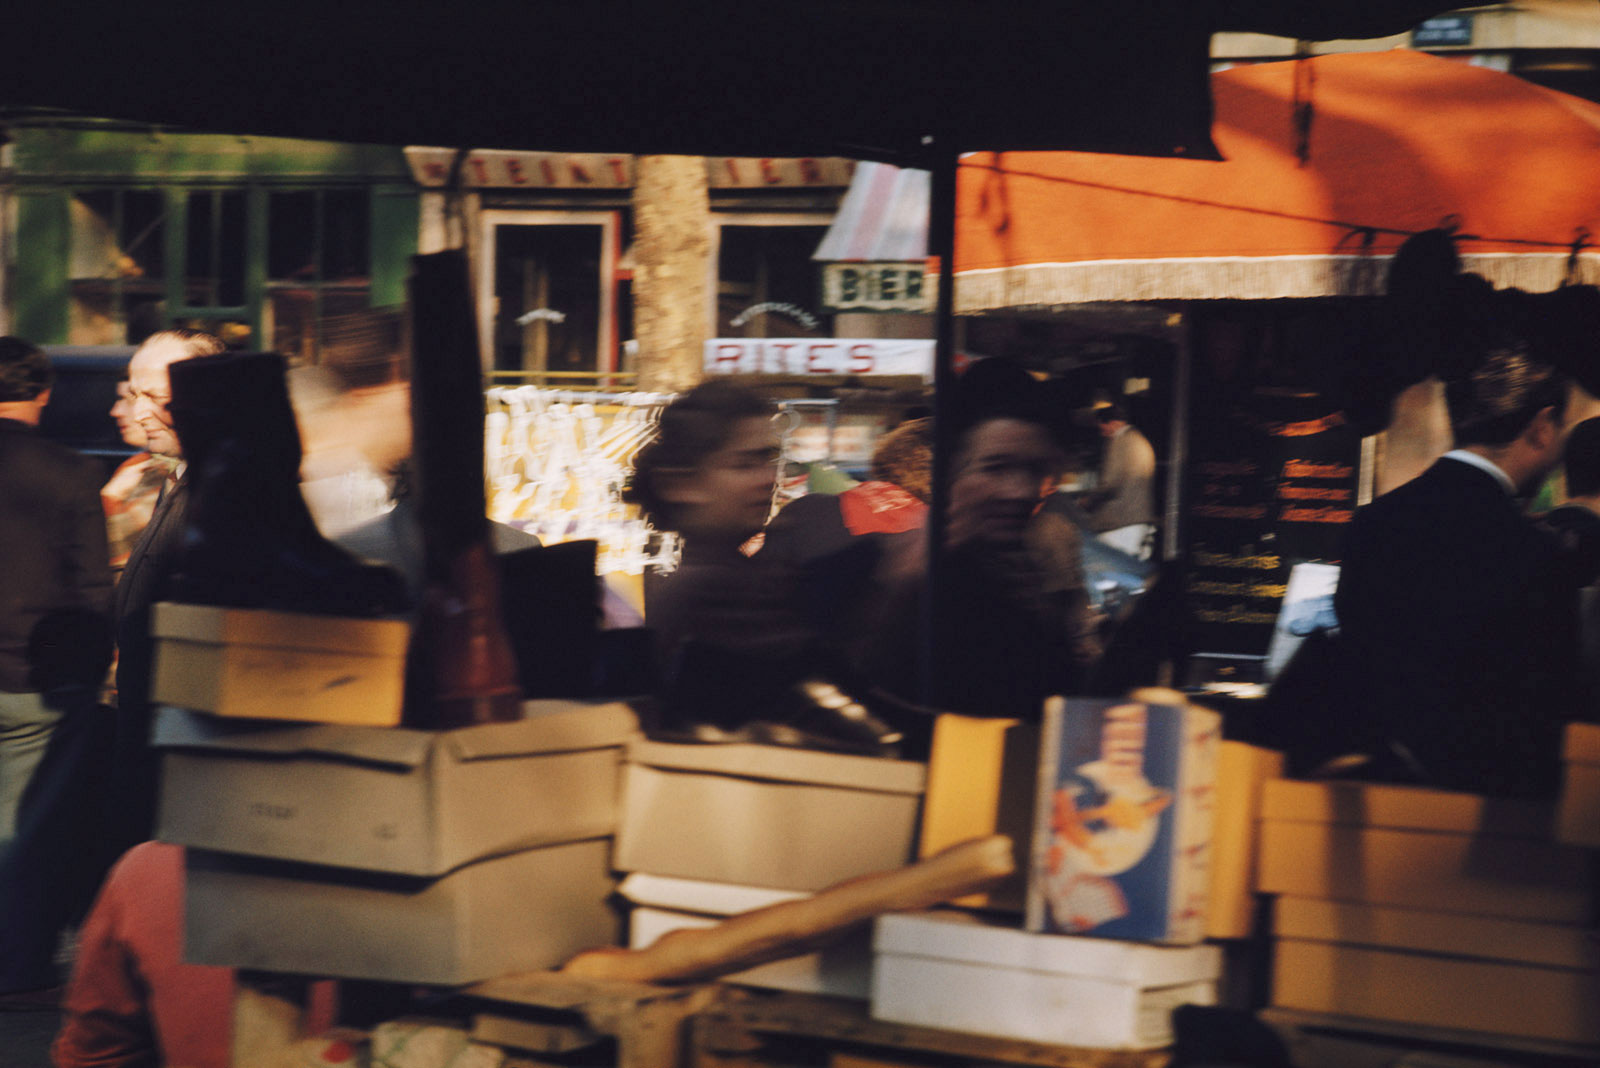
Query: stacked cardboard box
point(765, 816)
point(1578, 815)
point(708, 832)
point(1123, 818)
point(950, 970)
point(257, 664)
point(1431, 909)
point(982, 776)
point(660, 904)
point(386, 853)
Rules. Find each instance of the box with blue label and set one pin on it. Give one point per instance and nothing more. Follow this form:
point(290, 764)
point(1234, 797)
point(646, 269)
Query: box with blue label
point(1123, 818)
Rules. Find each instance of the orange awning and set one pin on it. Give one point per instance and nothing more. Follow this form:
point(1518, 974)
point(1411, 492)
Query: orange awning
point(1399, 142)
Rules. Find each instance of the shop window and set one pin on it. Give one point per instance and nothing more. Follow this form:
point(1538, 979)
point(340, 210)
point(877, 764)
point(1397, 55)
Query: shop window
point(117, 265)
point(767, 283)
point(318, 265)
point(548, 300)
point(214, 249)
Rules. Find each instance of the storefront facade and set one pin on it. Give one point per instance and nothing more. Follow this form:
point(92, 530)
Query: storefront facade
point(550, 237)
point(114, 230)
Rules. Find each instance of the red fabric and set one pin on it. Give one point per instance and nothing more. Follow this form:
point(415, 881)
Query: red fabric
point(880, 508)
point(1399, 140)
point(132, 1002)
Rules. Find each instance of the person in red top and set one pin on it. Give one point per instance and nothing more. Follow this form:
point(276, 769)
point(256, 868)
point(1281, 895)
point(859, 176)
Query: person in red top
point(132, 1001)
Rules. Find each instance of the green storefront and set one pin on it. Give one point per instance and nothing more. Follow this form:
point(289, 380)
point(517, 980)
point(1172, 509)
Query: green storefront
point(116, 230)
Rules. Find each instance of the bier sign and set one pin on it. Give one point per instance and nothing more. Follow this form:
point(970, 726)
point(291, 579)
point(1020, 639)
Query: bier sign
point(819, 356)
point(876, 287)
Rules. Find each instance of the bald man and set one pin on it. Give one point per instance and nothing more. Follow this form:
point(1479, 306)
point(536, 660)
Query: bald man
point(144, 582)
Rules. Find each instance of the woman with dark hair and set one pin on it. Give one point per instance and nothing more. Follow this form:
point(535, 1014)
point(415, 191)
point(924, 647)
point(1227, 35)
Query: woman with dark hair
point(734, 654)
point(721, 619)
point(710, 470)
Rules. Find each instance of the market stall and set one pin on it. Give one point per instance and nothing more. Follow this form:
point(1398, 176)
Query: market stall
point(1300, 402)
point(1134, 812)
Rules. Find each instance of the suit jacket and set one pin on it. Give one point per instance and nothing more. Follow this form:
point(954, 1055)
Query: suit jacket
point(52, 542)
point(1455, 632)
point(145, 580)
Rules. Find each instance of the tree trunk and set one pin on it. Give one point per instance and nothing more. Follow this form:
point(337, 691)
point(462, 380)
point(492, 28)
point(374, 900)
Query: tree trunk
point(672, 253)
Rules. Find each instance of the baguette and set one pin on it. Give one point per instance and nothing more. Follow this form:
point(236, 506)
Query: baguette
point(796, 927)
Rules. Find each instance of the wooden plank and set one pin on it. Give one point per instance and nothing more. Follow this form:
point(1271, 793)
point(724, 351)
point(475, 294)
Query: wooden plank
point(535, 1036)
point(739, 1022)
point(1552, 1053)
point(649, 1022)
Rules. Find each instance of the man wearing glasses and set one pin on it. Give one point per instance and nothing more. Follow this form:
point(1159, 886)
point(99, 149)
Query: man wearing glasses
point(129, 495)
point(144, 580)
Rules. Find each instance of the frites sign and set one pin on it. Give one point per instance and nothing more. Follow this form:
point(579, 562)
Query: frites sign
point(819, 356)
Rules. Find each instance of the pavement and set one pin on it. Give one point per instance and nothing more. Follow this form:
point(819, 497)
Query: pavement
point(25, 1037)
point(26, 1032)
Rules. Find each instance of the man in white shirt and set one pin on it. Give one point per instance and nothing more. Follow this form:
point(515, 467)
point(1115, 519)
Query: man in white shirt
point(1122, 506)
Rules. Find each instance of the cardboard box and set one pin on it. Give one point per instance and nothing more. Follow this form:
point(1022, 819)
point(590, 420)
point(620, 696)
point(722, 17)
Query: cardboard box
point(1242, 774)
point(1509, 877)
point(1413, 808)
point(1422, 849)
point(524, 911)
point(982, 778)
point(1123, 820)
point(258, 664)
point(952, 971)
point(766, 816)
point(662, 904)
point(1578, 813)
point(1489, 938)
point(1431, 990)
point(391, 800)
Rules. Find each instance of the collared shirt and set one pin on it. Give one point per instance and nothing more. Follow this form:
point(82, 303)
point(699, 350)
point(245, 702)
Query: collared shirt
point(1484, 464)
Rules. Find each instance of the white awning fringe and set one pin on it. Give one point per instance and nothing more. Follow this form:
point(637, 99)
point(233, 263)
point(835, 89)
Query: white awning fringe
point(1236, 278)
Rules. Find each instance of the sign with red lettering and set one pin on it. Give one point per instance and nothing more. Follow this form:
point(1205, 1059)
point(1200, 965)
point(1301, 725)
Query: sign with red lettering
point(819, 356)
point(485, 168)
point(735, 172)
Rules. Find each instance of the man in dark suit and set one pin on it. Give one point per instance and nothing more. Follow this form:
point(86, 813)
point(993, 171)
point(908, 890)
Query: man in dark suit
point(145, 580)
point(1453, 635)
point(55, 587)
point(53, 543)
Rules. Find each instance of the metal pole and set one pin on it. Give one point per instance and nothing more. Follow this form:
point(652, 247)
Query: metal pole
point(942, 163)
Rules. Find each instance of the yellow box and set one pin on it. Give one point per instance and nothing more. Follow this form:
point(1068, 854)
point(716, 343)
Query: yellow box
point(1415, 808)
point(252, 663)
point(1552, 945)
point(1432, 990)
point(1578, 813)
point(1242, 774)
point(982, 774)
point(1515, 878)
